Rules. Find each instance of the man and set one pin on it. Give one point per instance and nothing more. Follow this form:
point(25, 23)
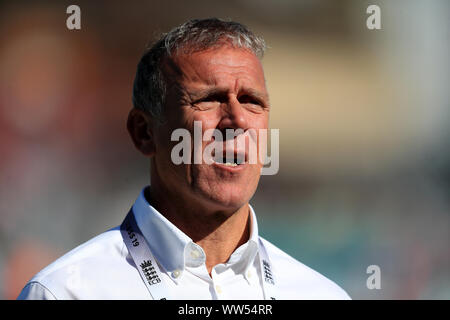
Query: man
point(191, 234)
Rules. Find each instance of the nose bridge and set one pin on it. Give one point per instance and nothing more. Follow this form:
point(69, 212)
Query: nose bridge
point(233, 114)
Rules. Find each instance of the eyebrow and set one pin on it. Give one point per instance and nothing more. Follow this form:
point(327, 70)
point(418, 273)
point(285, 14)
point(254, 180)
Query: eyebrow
point(203, 93)
point(264, 97)
point(210, 92)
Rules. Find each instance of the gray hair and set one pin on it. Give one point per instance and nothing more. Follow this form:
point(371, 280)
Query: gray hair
point(149, 89)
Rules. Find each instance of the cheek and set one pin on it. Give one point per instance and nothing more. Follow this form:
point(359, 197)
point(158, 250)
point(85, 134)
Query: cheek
point(259, 120)
point(209, 119)
point(260, 126)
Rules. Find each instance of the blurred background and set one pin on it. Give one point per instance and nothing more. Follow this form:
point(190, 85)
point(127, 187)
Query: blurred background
point(364, 120)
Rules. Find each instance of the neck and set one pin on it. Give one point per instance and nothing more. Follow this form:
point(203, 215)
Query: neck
point(218, 232)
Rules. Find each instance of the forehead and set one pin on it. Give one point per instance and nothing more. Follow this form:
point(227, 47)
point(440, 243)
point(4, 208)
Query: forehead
point(221, 66)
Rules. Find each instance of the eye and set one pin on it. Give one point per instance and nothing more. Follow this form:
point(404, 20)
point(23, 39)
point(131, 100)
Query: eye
point(215, 98)
point(205, 104)
point(247, 99)
point(209, 101)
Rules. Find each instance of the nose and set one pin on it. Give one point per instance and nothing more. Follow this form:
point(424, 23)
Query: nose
point(233, 116)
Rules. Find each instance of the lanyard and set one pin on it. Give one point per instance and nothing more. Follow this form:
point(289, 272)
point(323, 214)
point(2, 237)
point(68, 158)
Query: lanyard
point(151, 274)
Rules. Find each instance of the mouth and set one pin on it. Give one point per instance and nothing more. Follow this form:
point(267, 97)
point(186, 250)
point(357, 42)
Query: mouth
point(236, 160)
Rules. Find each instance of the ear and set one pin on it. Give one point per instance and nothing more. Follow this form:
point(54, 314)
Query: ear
point(140, 128)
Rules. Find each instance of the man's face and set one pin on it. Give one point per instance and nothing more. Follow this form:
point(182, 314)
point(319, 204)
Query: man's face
point(223, 88)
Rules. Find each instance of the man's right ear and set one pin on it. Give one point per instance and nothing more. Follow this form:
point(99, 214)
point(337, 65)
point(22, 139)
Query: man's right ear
point(140, 128)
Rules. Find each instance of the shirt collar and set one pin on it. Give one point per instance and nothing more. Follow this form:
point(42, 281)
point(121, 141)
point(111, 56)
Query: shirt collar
point(173, 248)
point(166, 241)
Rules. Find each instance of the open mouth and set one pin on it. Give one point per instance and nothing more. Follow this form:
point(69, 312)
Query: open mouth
point(233, 160)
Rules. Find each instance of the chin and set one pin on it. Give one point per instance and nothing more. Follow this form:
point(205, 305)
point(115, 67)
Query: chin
point(226, 195)
point(222, 189)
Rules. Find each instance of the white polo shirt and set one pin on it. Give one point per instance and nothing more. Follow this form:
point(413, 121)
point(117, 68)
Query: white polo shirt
point(102, 268)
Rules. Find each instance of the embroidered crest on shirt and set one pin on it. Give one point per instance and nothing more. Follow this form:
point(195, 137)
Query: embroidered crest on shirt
point(150, 273)
point(267, 272)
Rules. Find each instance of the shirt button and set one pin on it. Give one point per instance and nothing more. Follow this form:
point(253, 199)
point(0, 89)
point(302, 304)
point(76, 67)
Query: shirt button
point(249, 274)
point(195, 254)
point(218, 289)
point(176, 273)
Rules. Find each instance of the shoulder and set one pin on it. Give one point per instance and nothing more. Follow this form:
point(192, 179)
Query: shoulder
point(107, 245)
point(298, 281)
point(71, 276)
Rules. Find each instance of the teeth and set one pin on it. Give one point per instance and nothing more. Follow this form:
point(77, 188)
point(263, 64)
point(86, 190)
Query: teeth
point(230, 164)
